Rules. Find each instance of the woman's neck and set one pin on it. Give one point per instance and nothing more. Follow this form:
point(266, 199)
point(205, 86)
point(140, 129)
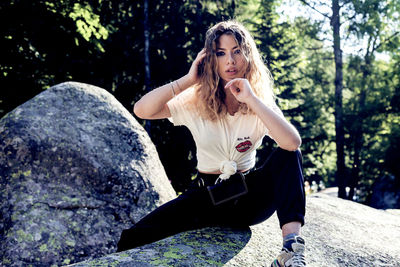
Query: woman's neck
point(231, 103)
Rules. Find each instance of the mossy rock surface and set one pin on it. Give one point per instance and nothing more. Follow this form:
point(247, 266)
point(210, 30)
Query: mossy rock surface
point(205, 247)
point(75, 169)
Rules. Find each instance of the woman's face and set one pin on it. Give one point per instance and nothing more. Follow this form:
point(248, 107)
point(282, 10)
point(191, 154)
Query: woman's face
point(231, 61)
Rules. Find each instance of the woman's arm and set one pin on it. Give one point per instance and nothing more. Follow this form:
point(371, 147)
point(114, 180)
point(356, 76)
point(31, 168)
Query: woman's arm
point(283, 132)
point(153, 105)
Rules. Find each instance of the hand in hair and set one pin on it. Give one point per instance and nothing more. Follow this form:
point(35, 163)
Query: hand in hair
point(241, 89)
point(193, 72)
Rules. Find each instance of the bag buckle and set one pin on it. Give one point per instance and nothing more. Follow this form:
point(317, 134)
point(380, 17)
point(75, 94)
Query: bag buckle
point(228, 190)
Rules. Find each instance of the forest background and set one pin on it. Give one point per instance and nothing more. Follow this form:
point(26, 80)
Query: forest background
point(336, 69)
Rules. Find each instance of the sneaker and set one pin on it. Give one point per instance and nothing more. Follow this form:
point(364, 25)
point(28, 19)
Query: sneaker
point(292, 256)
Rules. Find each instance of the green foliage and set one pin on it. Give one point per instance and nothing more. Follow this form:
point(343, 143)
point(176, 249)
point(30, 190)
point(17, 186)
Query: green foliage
point(369, 93)
point(40, 47)
point(303, 85)
point(368, 122)
point(88, 24)
point(370, 90)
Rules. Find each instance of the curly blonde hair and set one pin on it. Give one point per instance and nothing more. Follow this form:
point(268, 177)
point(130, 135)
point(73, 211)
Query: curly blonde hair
point(209, 92)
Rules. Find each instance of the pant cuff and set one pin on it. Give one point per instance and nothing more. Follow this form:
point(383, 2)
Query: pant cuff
point(294, 218)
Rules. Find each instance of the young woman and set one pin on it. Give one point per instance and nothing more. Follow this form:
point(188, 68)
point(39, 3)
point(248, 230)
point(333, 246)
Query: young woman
point(226, 101)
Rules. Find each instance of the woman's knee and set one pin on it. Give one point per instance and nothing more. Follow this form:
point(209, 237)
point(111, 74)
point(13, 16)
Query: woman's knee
point(280, 159)
point(282, 153)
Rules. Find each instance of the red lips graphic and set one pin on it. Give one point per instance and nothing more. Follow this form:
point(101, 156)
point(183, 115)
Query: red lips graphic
point(244, 146)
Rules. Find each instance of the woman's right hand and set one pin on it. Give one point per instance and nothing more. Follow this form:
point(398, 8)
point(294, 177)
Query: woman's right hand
point(194, 69)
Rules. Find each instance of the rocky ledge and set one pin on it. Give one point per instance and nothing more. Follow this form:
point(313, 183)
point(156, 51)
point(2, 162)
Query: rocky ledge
point(337, 232)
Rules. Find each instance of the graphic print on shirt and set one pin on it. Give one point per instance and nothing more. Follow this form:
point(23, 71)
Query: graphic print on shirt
point(244, 145)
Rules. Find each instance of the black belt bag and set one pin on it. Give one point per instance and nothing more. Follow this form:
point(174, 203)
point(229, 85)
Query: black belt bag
point(229, 189)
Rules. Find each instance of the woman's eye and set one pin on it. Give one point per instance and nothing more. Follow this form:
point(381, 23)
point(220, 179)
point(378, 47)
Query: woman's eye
point(237, 52)
point(220, 54)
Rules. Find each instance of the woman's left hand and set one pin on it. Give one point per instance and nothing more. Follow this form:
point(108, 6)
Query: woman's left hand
point(241, 89)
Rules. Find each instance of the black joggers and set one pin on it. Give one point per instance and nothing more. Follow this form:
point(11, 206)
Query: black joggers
point(278, 185)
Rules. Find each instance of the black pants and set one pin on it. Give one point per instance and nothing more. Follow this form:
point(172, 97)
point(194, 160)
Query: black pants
point(278, 185)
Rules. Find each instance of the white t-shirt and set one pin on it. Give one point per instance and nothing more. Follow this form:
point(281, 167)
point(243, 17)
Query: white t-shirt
point(232, 138)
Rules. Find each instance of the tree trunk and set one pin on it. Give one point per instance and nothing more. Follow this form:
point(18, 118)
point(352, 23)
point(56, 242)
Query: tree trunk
point(147, 77)
point(359, 127)
point(340, 173)
point(358, 140)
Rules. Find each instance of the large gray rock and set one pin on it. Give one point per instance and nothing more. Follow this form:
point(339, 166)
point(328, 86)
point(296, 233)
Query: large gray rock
point(75, 169)
point(337, 232)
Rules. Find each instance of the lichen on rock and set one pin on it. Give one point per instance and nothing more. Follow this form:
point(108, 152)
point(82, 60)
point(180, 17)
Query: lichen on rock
point(75, 169)
point(204, 247)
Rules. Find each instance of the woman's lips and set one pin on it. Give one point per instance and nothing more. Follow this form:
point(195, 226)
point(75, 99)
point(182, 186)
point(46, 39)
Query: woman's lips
point(232, 71)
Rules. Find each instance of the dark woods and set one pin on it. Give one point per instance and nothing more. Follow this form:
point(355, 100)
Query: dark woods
point(130, 47)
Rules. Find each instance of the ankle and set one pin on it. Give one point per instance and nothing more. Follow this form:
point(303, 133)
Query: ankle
point(289, 239)
point(291, 228)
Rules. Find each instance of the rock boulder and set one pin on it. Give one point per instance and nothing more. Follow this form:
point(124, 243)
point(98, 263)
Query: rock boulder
point(75, 169)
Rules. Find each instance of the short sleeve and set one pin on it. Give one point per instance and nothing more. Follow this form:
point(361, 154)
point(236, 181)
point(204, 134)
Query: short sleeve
point(179, 108)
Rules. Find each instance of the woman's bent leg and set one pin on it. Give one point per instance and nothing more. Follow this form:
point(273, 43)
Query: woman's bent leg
point(186, 212)
point(277, 185)
point(289, 191)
